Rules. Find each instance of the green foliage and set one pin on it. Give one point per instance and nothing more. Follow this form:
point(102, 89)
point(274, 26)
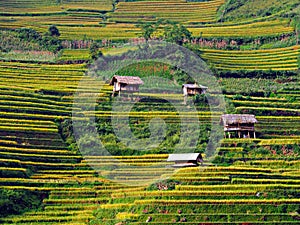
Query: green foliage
point(53, 31)
point(28, 39)
point(51, 43)
point(177, 33)
point(94, 51)
point(291, 98)
point(147, 69)
point(168, 184)
point(255, 73)
point(147, 30)
point(260, 87)
point(237, 97)
point(167, 30)
point(230, 108)
point(90, 145)
point(142, 126)
point(17, 202)
point(66, 132)
point(244, 9)
point(28, 34)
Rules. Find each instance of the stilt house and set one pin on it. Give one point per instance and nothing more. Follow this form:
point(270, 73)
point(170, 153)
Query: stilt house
point(128, 84)
point(241, 125)
point(192, 89)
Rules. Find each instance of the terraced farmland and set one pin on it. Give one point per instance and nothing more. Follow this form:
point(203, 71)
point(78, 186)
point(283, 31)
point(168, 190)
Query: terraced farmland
point(271, 59)
point(120, 24)
point(52, 6)
point(253, 29)
point(178, 10)
point(246, 181)
point(30, 140)
point(229, 195)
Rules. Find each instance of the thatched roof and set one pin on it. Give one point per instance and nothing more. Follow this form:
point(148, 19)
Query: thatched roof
point(183, 157)
point(126, 80)
point(227, 119)
point(194, 86)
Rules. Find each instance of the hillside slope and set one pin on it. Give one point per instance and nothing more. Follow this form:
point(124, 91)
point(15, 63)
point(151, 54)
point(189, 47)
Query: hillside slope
point(251, 46)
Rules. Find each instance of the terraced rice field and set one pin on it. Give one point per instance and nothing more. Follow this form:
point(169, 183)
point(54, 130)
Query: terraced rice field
point(227, 195)
point(248, 191)
point(271, 59)
point(248, 181)
point(253, 29)
point(74, 27)
point(52, 6)
point(178, 10)
point(121, 23)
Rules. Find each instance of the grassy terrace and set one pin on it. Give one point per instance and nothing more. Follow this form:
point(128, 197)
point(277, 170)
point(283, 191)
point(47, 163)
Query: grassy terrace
point(120, 24)
point(34, 157)
point(258, 8)
point(253, 29)
point(35, 98)
point(39, 77)
point(274, 59)
point(78, 26)
point(211, 192)
point(178, 10)
point(249, 181)
point(52, 6)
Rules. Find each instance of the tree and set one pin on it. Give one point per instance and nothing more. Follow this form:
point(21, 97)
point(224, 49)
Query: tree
point(177, 33)
point(147, 30)
point(53, 31)
point(28, 34)
point(296, 24)
point(168, 30)
point(94, 51)
point(51, 43)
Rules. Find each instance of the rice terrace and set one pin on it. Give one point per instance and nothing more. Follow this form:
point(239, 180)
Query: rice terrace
point(116, 112)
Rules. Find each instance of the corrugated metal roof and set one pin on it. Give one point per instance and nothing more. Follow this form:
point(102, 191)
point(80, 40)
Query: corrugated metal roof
point(237, 118)
point(194, 86)
point(127, 79)
point(183, 157)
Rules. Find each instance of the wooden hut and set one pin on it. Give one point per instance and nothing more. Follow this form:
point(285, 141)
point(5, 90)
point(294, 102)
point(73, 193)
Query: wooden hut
point(192, 89)
point(128, 84)
point(240, 124)
point(185, 159)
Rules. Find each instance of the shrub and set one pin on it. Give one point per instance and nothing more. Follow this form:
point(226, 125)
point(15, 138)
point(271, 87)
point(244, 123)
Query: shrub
point(53, 31)
point(17, 202)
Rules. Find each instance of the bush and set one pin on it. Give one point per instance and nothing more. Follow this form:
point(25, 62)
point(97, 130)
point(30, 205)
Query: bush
point(53, 31)
point(29, 39)
point(163, 185)
point(94, 51)
point(237, 97)
point(17, 202)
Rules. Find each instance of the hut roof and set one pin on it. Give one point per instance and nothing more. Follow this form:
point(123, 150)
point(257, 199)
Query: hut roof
point(183, 157)
point(127, 79)
point(195, 86)
point(237, 118)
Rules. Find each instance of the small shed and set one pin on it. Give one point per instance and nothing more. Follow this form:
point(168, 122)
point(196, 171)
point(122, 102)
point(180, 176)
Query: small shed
point(126, 83)
point(193, 89)
point(185, 159)
point(240, 124)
